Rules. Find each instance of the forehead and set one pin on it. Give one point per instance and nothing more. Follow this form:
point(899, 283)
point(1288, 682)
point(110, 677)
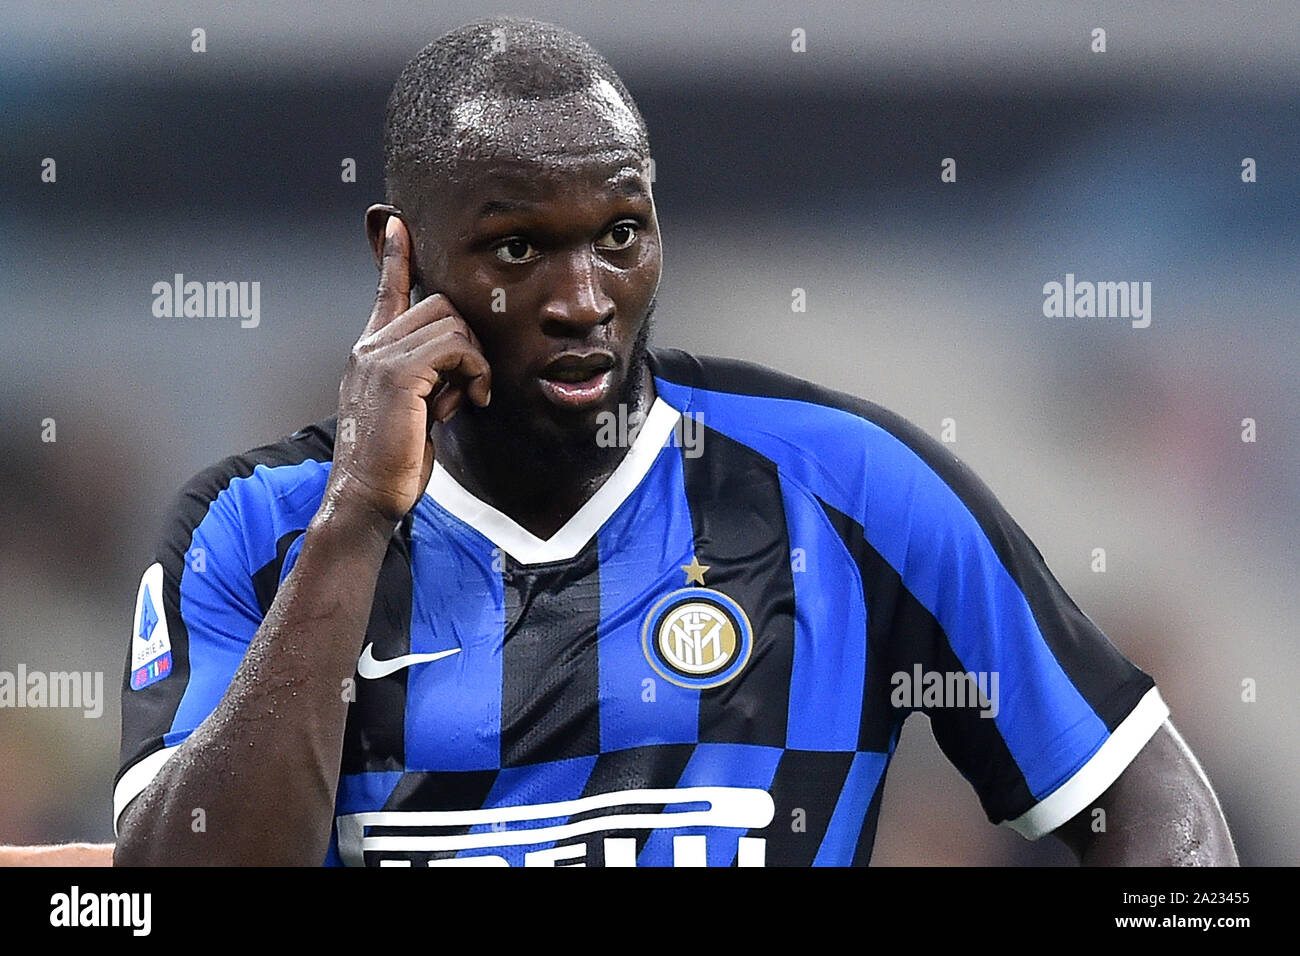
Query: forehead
point(500, 186)
point(513, 154)
point(589, 120)
point(575, 171)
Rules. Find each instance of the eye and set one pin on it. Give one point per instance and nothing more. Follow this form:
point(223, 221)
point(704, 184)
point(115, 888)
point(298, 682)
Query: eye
point(619, 237)
point(515, 249)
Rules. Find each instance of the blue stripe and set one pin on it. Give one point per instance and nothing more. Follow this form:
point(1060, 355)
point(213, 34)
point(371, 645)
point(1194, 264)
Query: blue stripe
point(218, 604)
point(365, 792)
point(842, 832)
point(715, 765)
point(922, 528)
point(528, 786)
point(642, 548)
point(453, 705)
point(830, 632)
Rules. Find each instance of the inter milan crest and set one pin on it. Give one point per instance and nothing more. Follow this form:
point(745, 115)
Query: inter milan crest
point(697, 637)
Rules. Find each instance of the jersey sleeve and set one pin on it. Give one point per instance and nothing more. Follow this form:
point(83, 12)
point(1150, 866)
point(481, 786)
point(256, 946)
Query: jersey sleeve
point(229, 539)
point(1027, 697)
point(196, 611)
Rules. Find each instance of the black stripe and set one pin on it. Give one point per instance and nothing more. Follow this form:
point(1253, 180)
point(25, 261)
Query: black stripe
point(887, 603)
point(805, 789)
point(148, 714)
point(867, 837)
point(375, 735)
point(266, 579)
point(550, 688)
point(1110, 683)
point(432, 791)
point(901, 633)
point(738, 517)
point(656, 767)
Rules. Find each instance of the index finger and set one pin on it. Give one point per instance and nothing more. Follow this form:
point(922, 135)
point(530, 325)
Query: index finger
point(393, 297)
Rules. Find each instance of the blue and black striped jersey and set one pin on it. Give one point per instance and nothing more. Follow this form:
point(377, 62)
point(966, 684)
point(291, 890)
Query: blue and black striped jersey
point(709, 663)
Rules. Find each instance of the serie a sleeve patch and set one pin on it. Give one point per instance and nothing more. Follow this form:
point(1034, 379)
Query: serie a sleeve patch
point(151, 647)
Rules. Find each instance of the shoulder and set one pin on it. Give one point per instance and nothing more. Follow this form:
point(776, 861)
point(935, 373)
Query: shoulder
point(840, 446)
point(286, 474)
point(745, 379)
point(690, 382)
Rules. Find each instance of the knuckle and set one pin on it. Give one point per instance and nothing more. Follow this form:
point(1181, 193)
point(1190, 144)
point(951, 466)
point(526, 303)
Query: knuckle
point(366, 346)
point(459, 328)
point(453, 320)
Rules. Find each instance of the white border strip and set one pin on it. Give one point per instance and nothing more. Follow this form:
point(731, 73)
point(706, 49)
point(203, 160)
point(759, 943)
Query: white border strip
point(133, 782)
point(1091, 780)
point(523, 545)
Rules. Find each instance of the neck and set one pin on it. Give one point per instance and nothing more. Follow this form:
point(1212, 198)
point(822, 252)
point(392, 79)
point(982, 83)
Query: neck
point(538, 483)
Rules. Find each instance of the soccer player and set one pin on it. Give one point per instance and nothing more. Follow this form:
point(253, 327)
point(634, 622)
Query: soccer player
point(542, 595)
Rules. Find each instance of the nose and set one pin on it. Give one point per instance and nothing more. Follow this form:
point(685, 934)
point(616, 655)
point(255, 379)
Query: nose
point(578, 301)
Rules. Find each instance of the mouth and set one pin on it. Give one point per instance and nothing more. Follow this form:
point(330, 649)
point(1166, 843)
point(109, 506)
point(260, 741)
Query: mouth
point(578, 380)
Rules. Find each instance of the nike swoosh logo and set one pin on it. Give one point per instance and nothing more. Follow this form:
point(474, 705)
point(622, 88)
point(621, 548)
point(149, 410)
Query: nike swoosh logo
point(371, 669)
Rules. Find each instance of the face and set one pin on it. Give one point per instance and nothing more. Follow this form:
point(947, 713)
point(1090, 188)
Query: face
point(553, 260)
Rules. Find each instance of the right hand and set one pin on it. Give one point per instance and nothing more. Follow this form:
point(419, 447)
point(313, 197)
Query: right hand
point(413, 365)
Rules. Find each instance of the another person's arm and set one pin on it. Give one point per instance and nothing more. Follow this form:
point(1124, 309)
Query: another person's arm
point(62, 854)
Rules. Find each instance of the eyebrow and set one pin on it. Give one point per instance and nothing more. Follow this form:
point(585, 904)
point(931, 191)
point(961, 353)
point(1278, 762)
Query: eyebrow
point(627, 186)
point(496, 207)
point(631, 187)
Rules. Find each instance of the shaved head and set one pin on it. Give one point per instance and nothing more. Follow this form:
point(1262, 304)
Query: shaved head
point(502, 89)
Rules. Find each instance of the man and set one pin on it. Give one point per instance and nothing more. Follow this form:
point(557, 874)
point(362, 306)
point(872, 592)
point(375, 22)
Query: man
point(540, 595)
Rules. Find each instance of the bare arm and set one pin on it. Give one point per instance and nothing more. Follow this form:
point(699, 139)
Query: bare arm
point(63, 854)
point(1160, 812)
point(263, 767)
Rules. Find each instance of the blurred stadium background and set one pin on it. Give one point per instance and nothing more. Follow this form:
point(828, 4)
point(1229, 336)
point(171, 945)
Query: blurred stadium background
point(774, 170)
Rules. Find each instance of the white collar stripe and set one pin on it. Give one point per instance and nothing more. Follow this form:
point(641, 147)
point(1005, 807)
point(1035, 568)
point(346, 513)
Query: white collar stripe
point(523, 545)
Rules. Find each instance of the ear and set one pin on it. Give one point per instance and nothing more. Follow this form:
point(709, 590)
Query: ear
point(376, 222)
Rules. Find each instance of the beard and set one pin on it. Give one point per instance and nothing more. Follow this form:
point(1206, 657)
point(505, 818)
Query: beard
point(511, 434)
